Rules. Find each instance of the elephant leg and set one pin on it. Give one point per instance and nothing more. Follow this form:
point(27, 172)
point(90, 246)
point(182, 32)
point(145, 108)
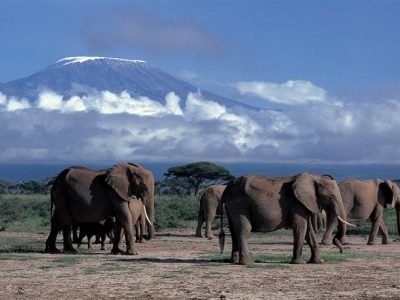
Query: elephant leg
point(74, 233)
point(68, 248)
point(103, 240)
point(98, 239)
point(80, 238)
point(200, 221)
point(299, 234)
point(209, 220)
point(235, 244)
point(242, 232)
point(137, 232)
point(125, 219)
point(117, 239)
point(142, 229)
point(374, 231)
point(331, 225)
point(312, 242)
point(51, 240)
point(384, 232)
point(89, 241)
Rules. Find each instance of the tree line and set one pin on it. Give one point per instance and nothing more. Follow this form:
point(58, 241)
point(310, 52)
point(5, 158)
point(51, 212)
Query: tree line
point(182, 180)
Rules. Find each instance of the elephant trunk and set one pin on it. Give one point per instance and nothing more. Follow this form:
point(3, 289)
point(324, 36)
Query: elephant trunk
point(150, 221)
point(398, 217)
point(149, 205)
point(342, 226)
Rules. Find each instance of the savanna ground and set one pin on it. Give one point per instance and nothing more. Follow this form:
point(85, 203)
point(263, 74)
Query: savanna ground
point(177, 265)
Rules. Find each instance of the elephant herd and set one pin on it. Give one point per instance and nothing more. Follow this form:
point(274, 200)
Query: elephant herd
point(125, 192)
point(82, 196)
point(301, 202)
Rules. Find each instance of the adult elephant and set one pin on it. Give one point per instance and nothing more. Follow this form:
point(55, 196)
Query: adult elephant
point(363, 199)
point(263, 204)
point(209, 207)
point(82, 195)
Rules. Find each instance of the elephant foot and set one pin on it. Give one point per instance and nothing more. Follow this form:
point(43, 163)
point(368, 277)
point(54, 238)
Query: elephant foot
point(51, 250)
point(235, 257)
point(199, 235)
point(210, 237)
point(70, 251)
point(297, 261)
point(315, 260)
point(117, 251)
point(102, 248)
point(131, 252)
point(245, 260)
point(326, 242)
point(371, 243)
point(338, 244)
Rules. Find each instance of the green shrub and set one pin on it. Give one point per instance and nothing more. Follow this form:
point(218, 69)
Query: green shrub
point(24, 212)
point(173, 211)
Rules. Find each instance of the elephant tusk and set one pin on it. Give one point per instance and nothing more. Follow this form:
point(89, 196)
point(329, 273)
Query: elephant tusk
point(345, 222)
point(146, 216)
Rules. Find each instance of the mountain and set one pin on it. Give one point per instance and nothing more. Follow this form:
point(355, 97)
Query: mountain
point(80, 76)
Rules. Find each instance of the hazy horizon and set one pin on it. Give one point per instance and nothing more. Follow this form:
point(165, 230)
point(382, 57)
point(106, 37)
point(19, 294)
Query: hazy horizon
point(24, 172)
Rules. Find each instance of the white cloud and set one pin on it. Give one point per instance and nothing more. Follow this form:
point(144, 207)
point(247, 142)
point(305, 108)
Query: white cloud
point(292, 92)
point(3, 99)
point(13, 103)
point(106, 126)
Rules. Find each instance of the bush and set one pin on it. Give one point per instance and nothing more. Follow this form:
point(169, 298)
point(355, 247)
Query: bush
point(31, 212)
point(25, 212)
point(173, 211)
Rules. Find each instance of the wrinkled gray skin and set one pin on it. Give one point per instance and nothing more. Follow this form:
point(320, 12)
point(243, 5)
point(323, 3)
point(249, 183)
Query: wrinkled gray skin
point(82, 195)
point(318, 221)
point(139, 221)
point(209, 207)
point(262, 204)
point(366, 199)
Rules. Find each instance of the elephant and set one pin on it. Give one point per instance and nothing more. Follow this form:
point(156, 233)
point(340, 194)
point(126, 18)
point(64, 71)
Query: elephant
point(99, 229)
point(82, 195)
point(209, 207)
point(363, 199)
point(257, 203)
point(140, 219)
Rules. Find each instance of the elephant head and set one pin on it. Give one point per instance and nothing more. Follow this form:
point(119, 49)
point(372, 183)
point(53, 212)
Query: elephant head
point(129, 180)
point(316, 192)
point(391, 194)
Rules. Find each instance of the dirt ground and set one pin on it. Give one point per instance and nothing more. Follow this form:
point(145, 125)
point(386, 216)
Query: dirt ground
point(177, 265)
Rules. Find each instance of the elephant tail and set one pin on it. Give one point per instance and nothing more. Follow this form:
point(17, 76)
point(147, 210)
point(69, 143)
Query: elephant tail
point(51, 206)
point(221, 236)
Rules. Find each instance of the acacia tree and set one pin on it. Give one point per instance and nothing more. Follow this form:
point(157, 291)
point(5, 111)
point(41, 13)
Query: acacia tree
point(199, 174)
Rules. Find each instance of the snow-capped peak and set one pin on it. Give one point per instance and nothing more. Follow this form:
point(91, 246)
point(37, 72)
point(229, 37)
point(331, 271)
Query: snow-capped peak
point(82, 59)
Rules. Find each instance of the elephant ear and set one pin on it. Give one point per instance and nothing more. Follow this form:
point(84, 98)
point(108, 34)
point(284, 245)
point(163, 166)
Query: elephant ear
point(119, 178)
point(304, 189)
point(389, 192)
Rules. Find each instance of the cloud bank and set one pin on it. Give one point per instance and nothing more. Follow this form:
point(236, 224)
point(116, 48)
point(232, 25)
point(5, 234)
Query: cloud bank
point(117, 127)
point(292, 92)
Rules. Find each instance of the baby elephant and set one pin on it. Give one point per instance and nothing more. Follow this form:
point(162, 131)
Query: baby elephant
point(103, 228)
point(139, 218)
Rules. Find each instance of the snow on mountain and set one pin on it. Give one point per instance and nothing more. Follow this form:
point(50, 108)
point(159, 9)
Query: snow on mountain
point(83, 76)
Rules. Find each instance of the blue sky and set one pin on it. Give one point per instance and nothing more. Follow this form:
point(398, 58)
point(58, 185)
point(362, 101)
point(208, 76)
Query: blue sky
point(330, 69)
point(342, 46)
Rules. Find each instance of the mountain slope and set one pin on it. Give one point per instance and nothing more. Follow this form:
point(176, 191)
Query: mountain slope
point(85, 75)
